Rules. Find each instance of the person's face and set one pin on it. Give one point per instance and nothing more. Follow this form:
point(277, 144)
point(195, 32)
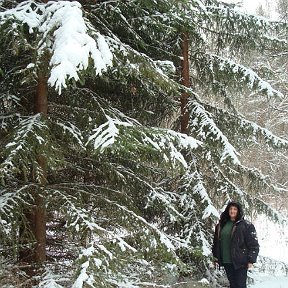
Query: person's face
point(233, 211)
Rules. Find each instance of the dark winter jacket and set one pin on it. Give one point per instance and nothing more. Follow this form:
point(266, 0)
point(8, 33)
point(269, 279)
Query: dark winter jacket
point(244, 243)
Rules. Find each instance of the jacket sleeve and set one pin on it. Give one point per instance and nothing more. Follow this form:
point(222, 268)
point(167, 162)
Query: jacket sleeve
point(251, 243)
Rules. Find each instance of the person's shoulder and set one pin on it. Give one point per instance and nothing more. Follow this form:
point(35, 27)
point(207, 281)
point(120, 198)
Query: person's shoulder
point(244, 222)
point(248, 224)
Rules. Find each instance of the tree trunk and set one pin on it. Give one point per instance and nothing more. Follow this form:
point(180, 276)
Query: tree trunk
point(41, 106)
point(36, 216)
point(186, 82)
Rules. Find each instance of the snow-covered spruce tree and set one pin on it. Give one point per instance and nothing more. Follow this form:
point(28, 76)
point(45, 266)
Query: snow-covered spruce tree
point(269, 113)
point(230, 80)
point(83, 184)
point(219, 36)
point(98, 166)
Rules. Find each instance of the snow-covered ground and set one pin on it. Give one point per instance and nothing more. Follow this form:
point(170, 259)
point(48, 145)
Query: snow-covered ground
point(273, 239)
point(271, 271)
point(268, 281)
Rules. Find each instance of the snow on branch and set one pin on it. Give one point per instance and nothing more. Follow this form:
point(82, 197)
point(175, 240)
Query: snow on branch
point(268, 136)
point(240, 22)
point(251, 200)
point(246, 128)
point(156, 194)
point(51, 280)
point(72, 45)
point(167, 199)
point(236, 18)
point(10, 200)
point(202, 123)
point(63, 31)
point(128, 276)
point(20, 150)
point(261, 181)
point(276, 42)
point(197, 206)
point(192, 181)
point(27, 12)
point(107, 244)
point(9, 100)
point(70, 129)
point(168, 142)
point(117, 129)
point(171, 143)
point(193, 233)
point(80, 217)
point(84, 275)
point(105, 135)
point(134, 63)
point(245, 75)
point(6, 120)
point(8, 104)
point(226, 184)
point(262, 207)
point(164, 239)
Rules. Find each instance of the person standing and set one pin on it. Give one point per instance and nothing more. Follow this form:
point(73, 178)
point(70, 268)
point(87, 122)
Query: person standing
point(235, 245)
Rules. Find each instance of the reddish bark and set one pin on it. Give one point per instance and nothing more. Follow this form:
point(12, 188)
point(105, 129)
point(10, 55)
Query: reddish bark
point(40, 100)
point(186, 82)
point(36, 216)
point(41, 106)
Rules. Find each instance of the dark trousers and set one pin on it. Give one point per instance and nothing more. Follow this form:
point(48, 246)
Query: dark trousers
point(237, 278)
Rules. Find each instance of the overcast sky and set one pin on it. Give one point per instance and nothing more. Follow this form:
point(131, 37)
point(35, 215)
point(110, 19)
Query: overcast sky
point(251, 5)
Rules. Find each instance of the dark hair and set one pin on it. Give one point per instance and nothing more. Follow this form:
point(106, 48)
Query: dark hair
point(225, 214)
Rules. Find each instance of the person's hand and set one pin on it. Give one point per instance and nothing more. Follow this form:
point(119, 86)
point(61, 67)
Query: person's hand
point(216, 264)
point(250, 265)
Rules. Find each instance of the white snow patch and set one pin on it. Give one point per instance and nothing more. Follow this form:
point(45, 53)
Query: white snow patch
point(106, 134)
point(273, 239)
point(73, 47)
point(203, 120)
point(204, 281)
